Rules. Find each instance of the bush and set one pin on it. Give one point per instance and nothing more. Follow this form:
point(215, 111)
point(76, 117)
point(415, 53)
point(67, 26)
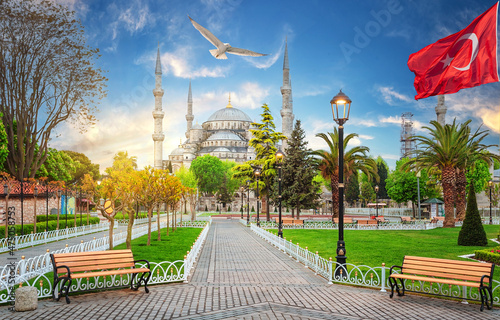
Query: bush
point(489, 255)
point(472, 232)
point(28, 228)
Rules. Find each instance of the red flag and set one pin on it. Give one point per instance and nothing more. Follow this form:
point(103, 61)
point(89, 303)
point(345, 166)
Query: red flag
point(465, 59)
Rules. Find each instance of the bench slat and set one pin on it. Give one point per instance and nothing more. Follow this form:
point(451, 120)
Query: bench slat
point(436, 280)
point(456, 269)
point(96, 253)
point(458, 262)
point(91, 258)
point(442, 275)
point(95, 262)
point(98, 267)
point(107, 273)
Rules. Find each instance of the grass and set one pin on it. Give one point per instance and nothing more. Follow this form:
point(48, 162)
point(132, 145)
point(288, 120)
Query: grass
point(170, 248)
point(374, 247)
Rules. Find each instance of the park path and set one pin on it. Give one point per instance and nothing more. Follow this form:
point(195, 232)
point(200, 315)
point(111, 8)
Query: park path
point(239, 276)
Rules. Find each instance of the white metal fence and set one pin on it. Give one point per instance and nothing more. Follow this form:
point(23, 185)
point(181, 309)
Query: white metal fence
point(366, 276)
point(33, 271)
point(33, 239)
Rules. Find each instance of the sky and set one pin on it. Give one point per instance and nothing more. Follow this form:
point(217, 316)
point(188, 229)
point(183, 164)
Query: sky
point(361, 47)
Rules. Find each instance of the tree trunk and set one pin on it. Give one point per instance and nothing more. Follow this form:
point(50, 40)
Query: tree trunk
point(7, 217)
point(58, 211)
point(111, 227)
point(168, 218)
point(150, 212)
point(298, 210)
point(448, 177)
point(158, 222)
point(293, 213)
point(460, 199)
point(130, 226)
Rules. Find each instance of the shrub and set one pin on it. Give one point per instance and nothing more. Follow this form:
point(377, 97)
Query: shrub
point(489, 255)
point(52, 225)
point(472, 232)
point(253, 209)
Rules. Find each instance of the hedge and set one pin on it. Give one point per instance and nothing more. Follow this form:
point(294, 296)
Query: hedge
point(489, 255)
point(28, 228)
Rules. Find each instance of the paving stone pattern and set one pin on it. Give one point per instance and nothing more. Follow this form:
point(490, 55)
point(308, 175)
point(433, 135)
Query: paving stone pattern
point(239, 276)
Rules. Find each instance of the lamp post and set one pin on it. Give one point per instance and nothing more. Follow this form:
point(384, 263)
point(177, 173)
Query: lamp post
point(59, 194)
point(242, 189)
point(257, 173)
point(66, 204)
point(6, 193)
point(418, 195)
point(248, 202)
point(376, 200)
point(341, 117)
point(47, 209)
point(490, 184)
point(35, 195)
point(279, 161)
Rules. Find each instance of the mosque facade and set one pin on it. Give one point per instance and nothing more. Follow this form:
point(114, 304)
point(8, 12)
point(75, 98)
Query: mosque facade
point(225, 134)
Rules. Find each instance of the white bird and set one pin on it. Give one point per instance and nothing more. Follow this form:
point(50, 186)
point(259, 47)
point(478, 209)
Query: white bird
point(222, 48)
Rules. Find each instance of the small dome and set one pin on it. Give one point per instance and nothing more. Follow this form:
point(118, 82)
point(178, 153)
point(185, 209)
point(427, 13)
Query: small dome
point(229, 114)
point(177, 152)
point(224, 135)
point(221, 149)
point(197, 127)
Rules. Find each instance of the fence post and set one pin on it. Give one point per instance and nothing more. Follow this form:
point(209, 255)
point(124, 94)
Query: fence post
point(383, 278)
point(316, 263)
point(330, 271)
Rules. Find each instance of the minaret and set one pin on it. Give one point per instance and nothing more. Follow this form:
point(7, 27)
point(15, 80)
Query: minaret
point(441, 110)
point(189, 115)
point(158, 114)
point(287, 105)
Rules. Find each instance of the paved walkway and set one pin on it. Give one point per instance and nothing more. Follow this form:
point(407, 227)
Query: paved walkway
point(239, 276)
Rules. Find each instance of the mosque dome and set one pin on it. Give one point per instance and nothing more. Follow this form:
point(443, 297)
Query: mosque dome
point(229, 114)
point(177, 152)
point(224, 135)
point(197, 127)
point(221, 149)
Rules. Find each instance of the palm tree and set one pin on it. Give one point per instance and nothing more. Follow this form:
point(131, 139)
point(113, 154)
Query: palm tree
point(476, 152)
point(445, 150)
point(355, 159)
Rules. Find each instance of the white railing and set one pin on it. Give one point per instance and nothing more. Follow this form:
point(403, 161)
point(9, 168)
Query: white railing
point(161, 272)
point(33, 271)
point(124, 222)
point(366, 276)
point(417, 225)
point(33, 239)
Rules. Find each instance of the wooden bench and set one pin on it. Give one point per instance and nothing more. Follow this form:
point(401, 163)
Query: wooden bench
point(382, 220)
point(77, 265)
point(407, 220)
point(370, 222)
point(290, 221)
point(436, 219)
point(346, 221)
point(449, 272)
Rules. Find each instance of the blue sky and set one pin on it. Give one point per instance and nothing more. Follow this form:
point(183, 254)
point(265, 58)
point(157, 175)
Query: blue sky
point(361, 47)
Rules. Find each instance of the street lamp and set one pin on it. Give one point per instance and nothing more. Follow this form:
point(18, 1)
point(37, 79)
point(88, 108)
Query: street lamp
point(279, 161)
point(376, 200)
point(22, 208)
point(257, 173)
point(47, 212)
point(340, 117)
point(59, 194)
point(66, 204)
point(490, 184)
point(35, 195)
point(242, 189)
point(248, 202)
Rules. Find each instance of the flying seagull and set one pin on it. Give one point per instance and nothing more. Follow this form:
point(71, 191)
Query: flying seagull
point(222, 48)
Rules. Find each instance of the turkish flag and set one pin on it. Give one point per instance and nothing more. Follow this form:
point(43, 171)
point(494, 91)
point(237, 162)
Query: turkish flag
point(465, 59)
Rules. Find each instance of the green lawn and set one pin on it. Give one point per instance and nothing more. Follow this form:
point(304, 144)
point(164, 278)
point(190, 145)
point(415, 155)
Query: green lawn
point(170, 248)
point(374, 247)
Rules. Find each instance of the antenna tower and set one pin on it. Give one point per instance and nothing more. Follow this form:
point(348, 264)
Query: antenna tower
point(407, 142)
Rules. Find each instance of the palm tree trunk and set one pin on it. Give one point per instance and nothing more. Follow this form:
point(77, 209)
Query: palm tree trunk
point(460, 199)
point(448, 179)
point(334, 182)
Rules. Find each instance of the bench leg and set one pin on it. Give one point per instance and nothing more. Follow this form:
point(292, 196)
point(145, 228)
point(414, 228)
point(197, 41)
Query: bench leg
point(142, 279)
point(394, 285)
point(486, 298)
point(65, 289)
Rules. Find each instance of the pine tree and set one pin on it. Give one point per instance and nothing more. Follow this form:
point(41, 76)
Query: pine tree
point(472, 232)
point(352, 188)
point(382, 173)
point(299, 190)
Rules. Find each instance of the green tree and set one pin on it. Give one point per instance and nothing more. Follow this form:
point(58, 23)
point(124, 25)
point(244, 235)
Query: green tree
point(299, 189)
point(48, 77)
point(188, 179)
point(123, 162)
point(4, 150)
point(264, 141)
point(367, 192)
point(354, 159)
point(382, 170)
point(472, 232)
point(224, 196)
point(58, 166)
point(352, 188)
point(209, 172)
point(83, 166)
point(479, 175)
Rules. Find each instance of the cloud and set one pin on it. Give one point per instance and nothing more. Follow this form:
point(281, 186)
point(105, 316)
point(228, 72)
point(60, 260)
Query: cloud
point(391, 120)
point(392, 97)
point(366, 137)
point(136, 16)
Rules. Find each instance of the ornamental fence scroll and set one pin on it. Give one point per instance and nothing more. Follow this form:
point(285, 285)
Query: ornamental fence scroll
point(36, 271)
point(33, 239)
point(365, 276)
point(418, 225)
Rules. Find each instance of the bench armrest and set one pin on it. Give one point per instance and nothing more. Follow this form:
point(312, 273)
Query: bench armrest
point(489, 280)
point(147, 262)
point(390, 270)
point(62, 267)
